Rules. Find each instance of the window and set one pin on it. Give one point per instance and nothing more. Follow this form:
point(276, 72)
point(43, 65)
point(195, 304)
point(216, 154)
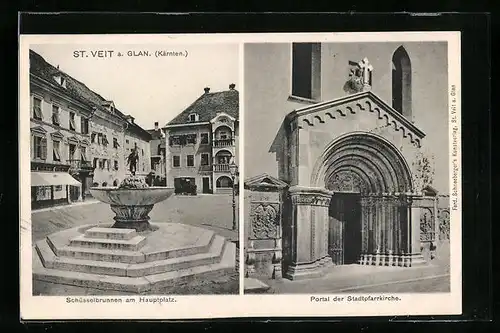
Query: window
point(176, 161)
point(101, 164)
point(39, 147)
point(193, 117)
point(204, 138)
point(55, 115)
point(142, 152)
point(83, 153)
point(191, 139)
point(306, 70)
point(56, 154)
point(204, 159)
point(222, 135)
point(105, 140)
point(72, 150)
point(84, 125)
point(58, 188)
point(37, 108)
point(115, 143)
point(96, 162)
point(126, 141)
point(93, 137)
point(72, 121)
point(190, 160)
point(116, 166)
point(174, 140)
point(401, 82)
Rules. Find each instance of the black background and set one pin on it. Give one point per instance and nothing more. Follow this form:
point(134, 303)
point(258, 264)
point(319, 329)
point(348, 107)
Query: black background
point(476, 131)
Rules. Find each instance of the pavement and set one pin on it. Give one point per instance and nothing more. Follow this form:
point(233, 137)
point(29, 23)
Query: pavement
point(360, 278)
point(212, 212)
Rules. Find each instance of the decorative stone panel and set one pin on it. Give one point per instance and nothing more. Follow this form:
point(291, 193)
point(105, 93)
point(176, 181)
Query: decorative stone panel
point(264, 232)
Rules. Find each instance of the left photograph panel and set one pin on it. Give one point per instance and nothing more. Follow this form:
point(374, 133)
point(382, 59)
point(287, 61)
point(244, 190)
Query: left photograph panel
point(133, 169)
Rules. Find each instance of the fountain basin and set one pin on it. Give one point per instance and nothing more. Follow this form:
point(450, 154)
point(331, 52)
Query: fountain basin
point(131, 206)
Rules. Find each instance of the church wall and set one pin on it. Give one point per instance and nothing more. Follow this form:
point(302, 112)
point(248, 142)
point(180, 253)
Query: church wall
point(268, 87)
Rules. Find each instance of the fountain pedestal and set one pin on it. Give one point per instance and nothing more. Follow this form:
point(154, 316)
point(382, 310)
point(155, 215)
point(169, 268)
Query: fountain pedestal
point(132, 255)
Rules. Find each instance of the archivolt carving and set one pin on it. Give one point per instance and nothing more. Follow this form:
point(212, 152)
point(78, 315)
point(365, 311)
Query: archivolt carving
point(265, 221)
point(363, 105)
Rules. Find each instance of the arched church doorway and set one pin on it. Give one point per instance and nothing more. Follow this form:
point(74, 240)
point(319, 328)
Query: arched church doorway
point(369, 208)
point(344, 236)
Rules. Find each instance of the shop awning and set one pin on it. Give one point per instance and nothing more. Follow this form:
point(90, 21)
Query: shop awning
point(52, 179)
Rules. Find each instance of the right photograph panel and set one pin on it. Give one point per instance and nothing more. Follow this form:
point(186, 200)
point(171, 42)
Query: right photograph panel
point(346, 167)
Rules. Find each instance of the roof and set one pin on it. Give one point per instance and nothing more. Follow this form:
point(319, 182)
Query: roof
point(155, 134)
point(208, 105)
point(76, 89)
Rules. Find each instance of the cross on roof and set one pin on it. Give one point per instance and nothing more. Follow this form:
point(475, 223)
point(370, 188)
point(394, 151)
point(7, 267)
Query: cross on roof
point(365, 64)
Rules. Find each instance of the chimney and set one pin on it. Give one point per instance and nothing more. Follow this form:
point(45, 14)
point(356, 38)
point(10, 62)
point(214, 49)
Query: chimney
point(232, 86)
point(207, 90)
point(156, 125)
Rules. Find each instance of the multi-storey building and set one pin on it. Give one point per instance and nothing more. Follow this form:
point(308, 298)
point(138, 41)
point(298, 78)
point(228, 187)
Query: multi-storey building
point(157, 150)
point(59, 123)
point(107, 130)
point(77, 132)
point(202, 141)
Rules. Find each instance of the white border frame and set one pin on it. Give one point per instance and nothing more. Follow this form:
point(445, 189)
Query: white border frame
point(191, 307)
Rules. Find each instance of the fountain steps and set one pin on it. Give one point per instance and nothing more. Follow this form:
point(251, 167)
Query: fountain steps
point(165, 282)
point(132, 244)
point(107, 233)
point(51, 261)
point(110, 254)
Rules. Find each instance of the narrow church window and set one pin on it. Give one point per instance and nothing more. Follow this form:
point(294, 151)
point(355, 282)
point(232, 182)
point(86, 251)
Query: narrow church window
point(401, 82)
point(306, 70)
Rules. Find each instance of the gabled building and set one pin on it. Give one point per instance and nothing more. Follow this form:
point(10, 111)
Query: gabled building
point(202, 141)
point(77, 134)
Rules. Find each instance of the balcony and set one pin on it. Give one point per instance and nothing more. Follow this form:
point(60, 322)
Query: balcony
point(80, 164)
point(221, 167)
point(223, 143)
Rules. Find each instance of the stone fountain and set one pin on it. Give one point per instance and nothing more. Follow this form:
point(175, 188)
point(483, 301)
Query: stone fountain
point(131, 254)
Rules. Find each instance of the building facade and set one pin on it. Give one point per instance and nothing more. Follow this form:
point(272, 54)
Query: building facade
point(357, 131)
point(78, 136)
point(59, 123)
point(202, 141)
point(158, 151)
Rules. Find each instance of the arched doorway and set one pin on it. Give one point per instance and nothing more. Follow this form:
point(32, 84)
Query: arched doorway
point(370, 206)
point(224, 182)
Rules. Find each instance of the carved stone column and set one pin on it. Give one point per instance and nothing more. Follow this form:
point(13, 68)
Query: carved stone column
point(309, 219)
point(414, 253)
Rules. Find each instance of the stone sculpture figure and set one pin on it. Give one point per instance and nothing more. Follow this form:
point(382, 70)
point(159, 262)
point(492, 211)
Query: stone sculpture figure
point(132, 160)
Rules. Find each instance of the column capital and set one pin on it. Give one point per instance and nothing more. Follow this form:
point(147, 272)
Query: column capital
point(313, 196)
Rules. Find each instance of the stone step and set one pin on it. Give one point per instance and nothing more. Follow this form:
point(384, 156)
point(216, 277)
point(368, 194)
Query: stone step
point(158, 283)
point(110, 233)
point(132, 244)
point(255, 286)
point(126, 256)
point(214, 255)
point(50, 260)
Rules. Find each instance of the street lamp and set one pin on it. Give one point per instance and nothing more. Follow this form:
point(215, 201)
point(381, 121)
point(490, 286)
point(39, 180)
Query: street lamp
point(233, 169)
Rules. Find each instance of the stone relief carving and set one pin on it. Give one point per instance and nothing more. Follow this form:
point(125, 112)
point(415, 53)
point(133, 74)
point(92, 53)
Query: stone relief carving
point(265, 221)
point(444, 224)
point(313, 199)
point(346, 182)
point(427, 225)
